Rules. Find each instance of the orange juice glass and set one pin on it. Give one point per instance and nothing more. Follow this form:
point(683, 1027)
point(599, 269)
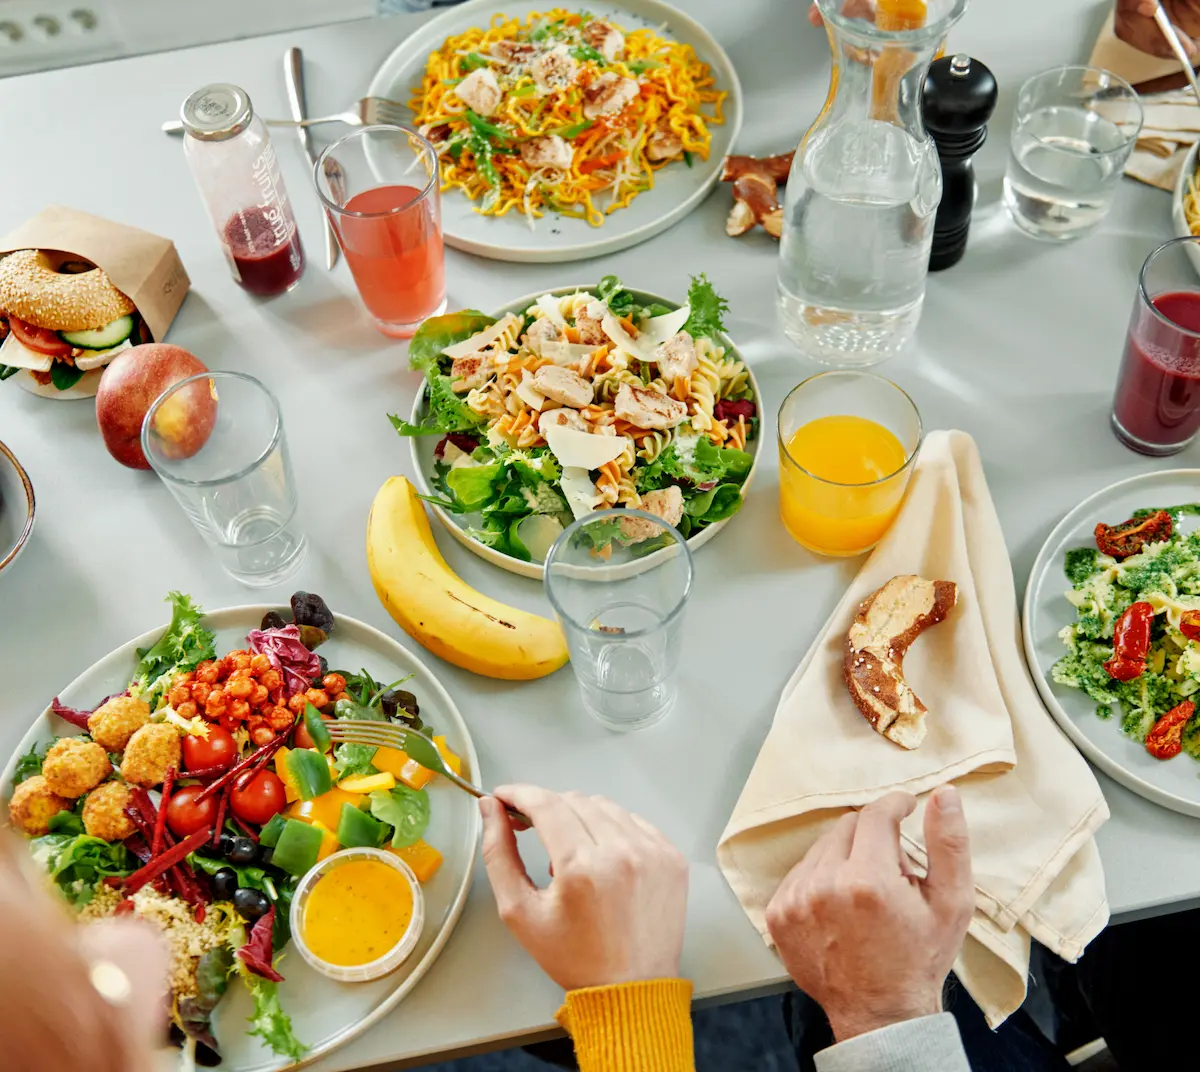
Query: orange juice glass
point(379, 187)
point(847, 445)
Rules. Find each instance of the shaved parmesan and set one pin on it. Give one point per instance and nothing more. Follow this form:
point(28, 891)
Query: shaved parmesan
point(94, 359)
point(19, 356)
point(658, 330)
point(484, 338)
point(548, 304)
point(529, 394)
point(621, 338)
point(583, 450)
point(662, 328)
point(566, 353)
point(581, 493)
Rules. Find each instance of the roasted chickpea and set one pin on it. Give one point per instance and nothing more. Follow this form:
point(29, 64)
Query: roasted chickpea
point(187, 709)
point(207, 673)
point(179, 694)
point(239, 709)
point(215, 705)
point(240, 660)
point(200, 692)
point(317, 697)
point(261, 735)
point(229, 723)
point(333, 683)
point(185, 678)
point(260, 664)
point(296, 703)
point(272, 678)
point(339, 696)
point(224, 667)
point(278, 718)
point(239, 688)
point(259, 696)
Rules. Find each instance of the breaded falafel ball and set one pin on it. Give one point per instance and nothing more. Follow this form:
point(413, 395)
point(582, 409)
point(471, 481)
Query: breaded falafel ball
point(104, 812)
point(113, 723)
point(150, 753)
point(34, 804)
point(73, 766)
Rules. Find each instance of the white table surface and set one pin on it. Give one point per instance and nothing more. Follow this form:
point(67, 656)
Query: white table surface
point(1019, 345)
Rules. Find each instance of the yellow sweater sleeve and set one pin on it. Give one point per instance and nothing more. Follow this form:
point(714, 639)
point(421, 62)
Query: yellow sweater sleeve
point(633, 1027)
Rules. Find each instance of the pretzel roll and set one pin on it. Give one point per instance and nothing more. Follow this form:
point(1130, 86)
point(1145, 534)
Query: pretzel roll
point(35, 289)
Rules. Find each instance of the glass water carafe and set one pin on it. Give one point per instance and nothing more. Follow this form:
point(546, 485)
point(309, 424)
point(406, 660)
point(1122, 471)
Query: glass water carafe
point(864, 187)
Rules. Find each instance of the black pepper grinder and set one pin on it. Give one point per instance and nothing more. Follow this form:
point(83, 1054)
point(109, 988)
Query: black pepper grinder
point(958, 100)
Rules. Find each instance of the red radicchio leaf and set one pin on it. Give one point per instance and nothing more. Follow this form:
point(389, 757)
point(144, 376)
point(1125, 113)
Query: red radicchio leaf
point(287, 654)
point(256, 953)
point(465, 443)
point(75, 715)
point(708, 485)
point(731, 411)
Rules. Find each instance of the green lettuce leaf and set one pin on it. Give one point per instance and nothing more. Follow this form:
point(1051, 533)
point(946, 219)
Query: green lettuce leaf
point(29, 764)
point(474, 487)
point(438, 332)
point(707, 309)
point(185, 644)
point(269, 1022)
point(716, 504)
point(404, 809)
point(78, 863)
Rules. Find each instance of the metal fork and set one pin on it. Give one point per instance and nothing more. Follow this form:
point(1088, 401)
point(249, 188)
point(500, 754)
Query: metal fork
point(415, 745)
point(367, 112)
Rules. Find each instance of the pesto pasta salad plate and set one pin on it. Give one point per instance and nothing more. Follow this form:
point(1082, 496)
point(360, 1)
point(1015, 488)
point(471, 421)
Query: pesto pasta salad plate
point(1112, 633)
point(566, 131)
point(583, 398)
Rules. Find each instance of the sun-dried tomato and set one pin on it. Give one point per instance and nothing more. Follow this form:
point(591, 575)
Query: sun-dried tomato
point(1165, 740)
point(1130, 537)
point(1131, 642)
point(1189, 624)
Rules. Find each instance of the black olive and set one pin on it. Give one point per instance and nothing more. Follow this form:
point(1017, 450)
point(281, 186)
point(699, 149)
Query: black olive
point(273, 620)
point(243, 852)
point(265, 855)
point(224, 883)
point(251, 903)
point(399, 703)
point(226, 843)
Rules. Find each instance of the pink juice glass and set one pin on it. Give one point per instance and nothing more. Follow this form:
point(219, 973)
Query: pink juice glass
point(1156, 408)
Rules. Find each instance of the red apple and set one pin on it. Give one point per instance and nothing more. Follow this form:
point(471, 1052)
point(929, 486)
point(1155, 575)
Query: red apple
point(128, 389)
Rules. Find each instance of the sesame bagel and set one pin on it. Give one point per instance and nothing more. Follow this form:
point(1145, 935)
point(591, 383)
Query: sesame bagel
point(34, 290)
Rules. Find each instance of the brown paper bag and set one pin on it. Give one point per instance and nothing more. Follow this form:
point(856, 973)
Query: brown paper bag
point(142, 265)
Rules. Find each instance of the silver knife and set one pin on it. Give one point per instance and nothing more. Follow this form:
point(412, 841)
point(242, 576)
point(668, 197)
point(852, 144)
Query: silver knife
point(293, 78)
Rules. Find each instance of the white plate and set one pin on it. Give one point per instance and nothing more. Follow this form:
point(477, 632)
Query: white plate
point(324, 1014)
point(1173, 783)
point(1182, 230)
point(677, 188)
point(456, 524)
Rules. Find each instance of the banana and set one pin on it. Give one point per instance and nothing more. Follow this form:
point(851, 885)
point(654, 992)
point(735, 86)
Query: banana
point(438, 609)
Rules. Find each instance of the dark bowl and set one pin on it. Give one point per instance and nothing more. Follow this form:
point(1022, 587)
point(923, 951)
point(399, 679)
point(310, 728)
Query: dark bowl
point(16, 507)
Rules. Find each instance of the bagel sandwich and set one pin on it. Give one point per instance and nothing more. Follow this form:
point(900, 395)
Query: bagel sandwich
point(61, 322)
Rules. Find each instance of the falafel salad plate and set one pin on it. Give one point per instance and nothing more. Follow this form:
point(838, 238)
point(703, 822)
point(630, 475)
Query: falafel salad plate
point(302, 887)
point(589, 397)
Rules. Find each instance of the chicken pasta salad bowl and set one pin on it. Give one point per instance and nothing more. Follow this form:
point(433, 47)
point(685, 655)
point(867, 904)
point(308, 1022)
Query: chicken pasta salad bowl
point(582, 398)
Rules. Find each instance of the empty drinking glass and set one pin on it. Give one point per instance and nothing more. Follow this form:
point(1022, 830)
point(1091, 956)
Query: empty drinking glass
point(619, 581)
point(1073, 131)
point(216, 439)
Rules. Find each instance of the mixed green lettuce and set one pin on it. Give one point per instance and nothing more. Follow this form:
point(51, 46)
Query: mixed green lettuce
point(185, 644)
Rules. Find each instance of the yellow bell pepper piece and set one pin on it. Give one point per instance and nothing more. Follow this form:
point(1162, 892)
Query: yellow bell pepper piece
point(329, 841)
point(391, 760)
point(325, 810)
point(396, 762)
point(368, 783)
point(422, 857)
point(291, 789)
point(453, 761)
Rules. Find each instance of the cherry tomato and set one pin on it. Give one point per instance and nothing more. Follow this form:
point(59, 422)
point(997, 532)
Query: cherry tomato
point(40, 340)
point(215, 750)
point(303, 738)
point(185, 816)
point(259, 799)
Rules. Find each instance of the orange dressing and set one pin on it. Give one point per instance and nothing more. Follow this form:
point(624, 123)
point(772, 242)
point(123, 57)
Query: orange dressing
point(841, 483)
point(357, 912)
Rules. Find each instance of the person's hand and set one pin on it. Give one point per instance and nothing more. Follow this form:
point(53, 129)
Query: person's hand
point(1134, 24)
point(863, 936)
point(52, 972)
point(615, 909)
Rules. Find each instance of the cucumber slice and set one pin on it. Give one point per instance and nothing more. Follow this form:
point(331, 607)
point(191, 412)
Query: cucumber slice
point(104, 338)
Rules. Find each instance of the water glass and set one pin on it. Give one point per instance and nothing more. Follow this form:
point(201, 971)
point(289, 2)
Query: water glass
point(1156, 407)
point(217, 441)
point(619, 581)
point(380, 189)
point(848, 443)
point(1073, 131)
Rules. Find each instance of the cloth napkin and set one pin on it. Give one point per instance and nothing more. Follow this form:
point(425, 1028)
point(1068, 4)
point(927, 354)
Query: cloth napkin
point(1172, 122)
point(1031, 802)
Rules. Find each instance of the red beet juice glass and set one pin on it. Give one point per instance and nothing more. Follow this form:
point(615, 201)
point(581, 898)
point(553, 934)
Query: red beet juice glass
point(379, 186)
point(1156, 408)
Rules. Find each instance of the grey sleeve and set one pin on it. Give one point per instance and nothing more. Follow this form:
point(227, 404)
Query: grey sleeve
point(928, 1044)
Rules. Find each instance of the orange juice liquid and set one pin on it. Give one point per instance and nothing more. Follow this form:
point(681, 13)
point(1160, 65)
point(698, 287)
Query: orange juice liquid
point(837, 491)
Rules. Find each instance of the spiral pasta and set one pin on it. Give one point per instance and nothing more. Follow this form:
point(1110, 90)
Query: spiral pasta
point(704, 384)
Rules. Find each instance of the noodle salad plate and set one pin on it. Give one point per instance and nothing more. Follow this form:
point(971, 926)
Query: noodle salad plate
point(1112, 633)
point(1185, 203)
point(584, 398)
point(566, 132)
point(188, 779)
